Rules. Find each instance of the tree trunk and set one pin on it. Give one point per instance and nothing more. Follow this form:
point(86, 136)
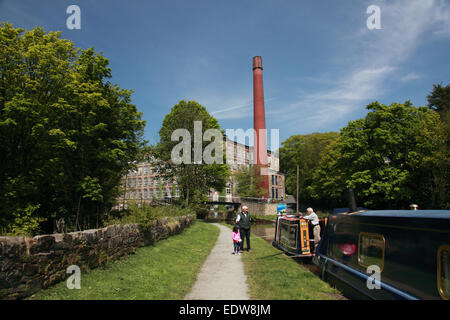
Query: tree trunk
point(187, 196)
point(77, 224)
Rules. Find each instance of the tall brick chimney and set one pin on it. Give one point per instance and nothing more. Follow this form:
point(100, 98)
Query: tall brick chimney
point(259, 123)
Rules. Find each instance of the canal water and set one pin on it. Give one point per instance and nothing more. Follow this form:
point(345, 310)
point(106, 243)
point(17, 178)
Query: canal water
point(265, 231)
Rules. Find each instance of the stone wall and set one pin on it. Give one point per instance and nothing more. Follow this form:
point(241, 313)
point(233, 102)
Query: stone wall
point(30, 264)
point(220, 216)
point(261, 208)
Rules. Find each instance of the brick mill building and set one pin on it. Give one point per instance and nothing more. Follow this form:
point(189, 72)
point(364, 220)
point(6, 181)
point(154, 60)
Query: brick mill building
point(145, 184)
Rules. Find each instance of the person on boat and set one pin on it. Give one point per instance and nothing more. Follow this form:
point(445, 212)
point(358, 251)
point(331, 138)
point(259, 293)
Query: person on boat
point(236, 240)
point(243, 221)
point(314, 219)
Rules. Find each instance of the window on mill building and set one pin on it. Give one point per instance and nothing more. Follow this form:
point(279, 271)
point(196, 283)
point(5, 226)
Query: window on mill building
point(228, 188)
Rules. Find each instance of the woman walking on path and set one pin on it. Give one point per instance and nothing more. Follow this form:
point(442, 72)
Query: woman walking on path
point(236, 240)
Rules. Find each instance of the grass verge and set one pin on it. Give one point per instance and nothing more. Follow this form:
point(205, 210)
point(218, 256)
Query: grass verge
point(165, 271)
point(272, 275)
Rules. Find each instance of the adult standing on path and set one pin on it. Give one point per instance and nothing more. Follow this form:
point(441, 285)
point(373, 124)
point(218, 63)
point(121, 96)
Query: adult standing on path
point(243, 220)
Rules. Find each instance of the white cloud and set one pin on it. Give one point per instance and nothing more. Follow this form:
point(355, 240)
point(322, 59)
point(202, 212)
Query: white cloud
point(240, 110)
point(404, 24)
point(410, 77)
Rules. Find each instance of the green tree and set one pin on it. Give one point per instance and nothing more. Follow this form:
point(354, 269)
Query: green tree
point(248, 181)
point(391, 159)
point(194, 179)
point(67, 135)
point(305, 151)
point(439, 99)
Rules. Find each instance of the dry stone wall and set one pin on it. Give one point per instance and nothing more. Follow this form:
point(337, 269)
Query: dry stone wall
point(261, 209)
point(30, 264)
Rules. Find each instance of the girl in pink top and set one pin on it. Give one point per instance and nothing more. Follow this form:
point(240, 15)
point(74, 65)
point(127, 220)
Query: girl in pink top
point(236, 239)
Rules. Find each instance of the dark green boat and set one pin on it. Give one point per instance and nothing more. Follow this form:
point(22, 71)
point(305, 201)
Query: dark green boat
point(396, 254)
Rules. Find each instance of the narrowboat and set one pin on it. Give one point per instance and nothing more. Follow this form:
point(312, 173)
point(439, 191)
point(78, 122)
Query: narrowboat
point(397, 254)
point(293, 235)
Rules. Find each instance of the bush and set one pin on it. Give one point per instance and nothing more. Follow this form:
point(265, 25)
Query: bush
point(144, 214)
point(25, 223)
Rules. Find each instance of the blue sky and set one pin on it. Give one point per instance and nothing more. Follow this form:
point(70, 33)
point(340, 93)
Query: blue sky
point(322, 65)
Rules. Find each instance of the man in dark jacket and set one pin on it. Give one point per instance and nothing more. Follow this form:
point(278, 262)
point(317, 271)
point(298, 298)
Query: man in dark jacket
point(243, 220)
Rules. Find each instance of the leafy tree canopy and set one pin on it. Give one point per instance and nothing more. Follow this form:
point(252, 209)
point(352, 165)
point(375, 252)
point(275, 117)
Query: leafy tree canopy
point(439, 99)
point(248, 182)
point(194, 179)
point(67, 134)
point(306, 152)
point(393, 157)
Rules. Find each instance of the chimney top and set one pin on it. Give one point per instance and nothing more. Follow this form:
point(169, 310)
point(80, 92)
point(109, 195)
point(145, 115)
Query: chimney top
point(257, 62)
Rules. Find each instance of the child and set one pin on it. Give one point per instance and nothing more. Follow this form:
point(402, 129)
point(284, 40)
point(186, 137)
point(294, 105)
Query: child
point(236, 239)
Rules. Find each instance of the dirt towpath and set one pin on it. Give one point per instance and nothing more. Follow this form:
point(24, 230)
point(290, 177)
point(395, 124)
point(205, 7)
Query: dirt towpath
point(222, 275)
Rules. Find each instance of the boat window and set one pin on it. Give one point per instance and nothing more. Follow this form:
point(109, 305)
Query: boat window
point(289, 235)
point(444, 272)
point(371, 250)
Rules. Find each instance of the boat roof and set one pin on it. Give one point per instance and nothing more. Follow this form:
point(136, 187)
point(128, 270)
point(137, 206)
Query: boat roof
point(433, 214)
point(290, 217)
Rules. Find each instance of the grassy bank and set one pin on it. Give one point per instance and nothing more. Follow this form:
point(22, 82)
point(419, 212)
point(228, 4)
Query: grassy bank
point(165, 271)
point(271, 275)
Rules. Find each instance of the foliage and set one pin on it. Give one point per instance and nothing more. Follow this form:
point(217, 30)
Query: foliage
point(26, 222)
point(144, 214)
point(439, 99)
point(306, 151)
point(391, 158)
point(67, 135)
point(193, 179)
point(248, 181)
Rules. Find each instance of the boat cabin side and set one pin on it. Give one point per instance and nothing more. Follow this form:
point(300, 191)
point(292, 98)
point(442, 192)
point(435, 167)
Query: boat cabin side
point(294, 235)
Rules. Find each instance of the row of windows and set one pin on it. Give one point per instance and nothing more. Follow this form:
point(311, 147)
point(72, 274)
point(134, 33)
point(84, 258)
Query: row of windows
point(148, 182)
point(155, 193)
point(245, 162)
point(142, 171)
point(371, 248)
